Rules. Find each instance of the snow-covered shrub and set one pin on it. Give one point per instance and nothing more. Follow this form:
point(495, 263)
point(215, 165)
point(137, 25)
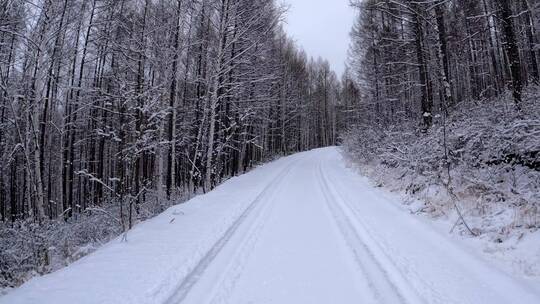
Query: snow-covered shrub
point(28, 249)
point(494, 157)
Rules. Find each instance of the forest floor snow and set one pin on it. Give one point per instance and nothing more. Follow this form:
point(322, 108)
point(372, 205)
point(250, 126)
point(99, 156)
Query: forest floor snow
point(302, 229)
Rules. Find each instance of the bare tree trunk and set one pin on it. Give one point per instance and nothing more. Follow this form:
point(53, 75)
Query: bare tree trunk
point(512, 50)
point(171, 169)
point(48, 93)
point(216, 87)
point(443, 49)
point(425, 83)
point(530, 31)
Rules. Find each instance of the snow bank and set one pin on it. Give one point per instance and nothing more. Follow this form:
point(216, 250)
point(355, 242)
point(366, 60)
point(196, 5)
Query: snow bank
point(494, 153)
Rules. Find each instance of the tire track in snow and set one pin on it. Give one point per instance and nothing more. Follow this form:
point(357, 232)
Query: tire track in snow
point(191, 279)
point(233, 270)
point(423, 287)
point(388, 285)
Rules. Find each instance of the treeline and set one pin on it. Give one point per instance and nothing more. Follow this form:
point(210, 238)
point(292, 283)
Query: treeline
point(122, 101)
point(416, 59)
point(443, 106)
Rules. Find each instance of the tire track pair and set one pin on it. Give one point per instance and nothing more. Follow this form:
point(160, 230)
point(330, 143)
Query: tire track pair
point(191, 279)
point(386, 282)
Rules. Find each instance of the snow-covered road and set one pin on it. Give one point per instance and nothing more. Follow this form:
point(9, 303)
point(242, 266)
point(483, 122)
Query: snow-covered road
point(303, 229)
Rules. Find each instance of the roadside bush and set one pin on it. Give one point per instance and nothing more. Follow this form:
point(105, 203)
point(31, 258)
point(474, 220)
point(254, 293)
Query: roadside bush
point(494, 157)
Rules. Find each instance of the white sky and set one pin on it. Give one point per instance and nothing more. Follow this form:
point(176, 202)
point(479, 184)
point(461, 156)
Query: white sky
point(322, 28)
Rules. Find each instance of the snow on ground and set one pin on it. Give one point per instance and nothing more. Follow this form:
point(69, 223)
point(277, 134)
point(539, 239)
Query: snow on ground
point(158, 253)
point(302, 229)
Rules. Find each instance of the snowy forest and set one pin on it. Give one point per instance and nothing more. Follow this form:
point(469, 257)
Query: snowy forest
point(442, 97)
point(111, 111)
point(421, 59)
point(119, 101)
point(115, 108)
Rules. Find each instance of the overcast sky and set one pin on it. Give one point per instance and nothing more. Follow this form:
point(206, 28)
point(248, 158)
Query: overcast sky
point(322, 28)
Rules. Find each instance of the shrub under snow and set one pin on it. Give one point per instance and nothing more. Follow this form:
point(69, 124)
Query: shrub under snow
point(494, 156)
point(28, 249)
